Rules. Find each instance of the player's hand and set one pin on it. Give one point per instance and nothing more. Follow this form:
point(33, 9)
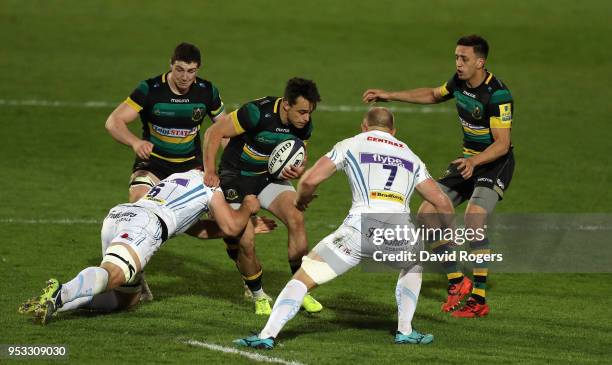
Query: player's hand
point(302, 203)
point(465, 167)
point(211, 179)
point(263, 224)
point(143, 149)
point(292, 172)
point(251, 202)
point(372, 95)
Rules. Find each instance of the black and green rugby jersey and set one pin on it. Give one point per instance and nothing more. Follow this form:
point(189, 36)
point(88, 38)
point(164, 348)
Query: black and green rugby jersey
point(172, 122)
point(260, 129)
point(486, 106)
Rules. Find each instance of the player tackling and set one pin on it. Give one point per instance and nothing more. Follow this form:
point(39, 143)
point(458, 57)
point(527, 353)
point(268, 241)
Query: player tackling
point(131, 234)
point(376, 187)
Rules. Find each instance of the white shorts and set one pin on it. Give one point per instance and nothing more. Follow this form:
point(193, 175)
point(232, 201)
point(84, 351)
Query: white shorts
point(134, 226)
point(344, 248)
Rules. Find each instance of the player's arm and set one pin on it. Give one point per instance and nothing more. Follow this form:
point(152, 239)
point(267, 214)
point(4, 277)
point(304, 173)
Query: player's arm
point(116, 125)
point(232, 222)
point(224, 127)
point(323, 169)
point(431, 192)
point(209, 229)
point(427, 95)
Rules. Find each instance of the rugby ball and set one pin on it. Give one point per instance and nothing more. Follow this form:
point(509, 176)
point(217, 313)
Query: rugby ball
point(287, 153)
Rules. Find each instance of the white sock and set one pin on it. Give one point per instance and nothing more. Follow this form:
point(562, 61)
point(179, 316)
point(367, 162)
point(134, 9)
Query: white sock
point(87, 283)
point(407, 296)
point(285, 308)
point(104, 302)
point(81, 302)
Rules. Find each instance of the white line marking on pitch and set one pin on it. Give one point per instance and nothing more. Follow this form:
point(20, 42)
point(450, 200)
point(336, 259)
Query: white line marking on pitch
point(250, 355)
point(49, 221)
point(322, 107)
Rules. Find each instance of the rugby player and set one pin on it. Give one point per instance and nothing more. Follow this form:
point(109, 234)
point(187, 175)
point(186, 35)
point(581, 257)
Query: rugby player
point(131, 234)
point(254, 130)
point(171, 107)
point(484, 171)
point(377, 187)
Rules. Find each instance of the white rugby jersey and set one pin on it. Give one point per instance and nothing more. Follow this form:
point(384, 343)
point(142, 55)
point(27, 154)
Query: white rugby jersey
point(180, 199)
point(381, 169)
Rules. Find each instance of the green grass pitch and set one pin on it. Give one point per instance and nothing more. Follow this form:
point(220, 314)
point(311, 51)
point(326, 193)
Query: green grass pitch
point(59, 163)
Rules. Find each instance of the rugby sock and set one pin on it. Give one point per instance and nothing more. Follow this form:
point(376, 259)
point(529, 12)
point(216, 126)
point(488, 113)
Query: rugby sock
point(451, 268)
point(285, 308)
point(295, 265)
point(89, 282)
point(103, 302)
point(481, 270)
point(254, 283)
point(407, 296)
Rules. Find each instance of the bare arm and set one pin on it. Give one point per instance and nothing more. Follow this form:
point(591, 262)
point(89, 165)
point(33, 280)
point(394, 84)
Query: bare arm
point(415, 96)
point(224, 127)
point(209, 229)
point(431, 192)
point(321, 171)
point(497, 149)
point(116, 125)
point(232, 222)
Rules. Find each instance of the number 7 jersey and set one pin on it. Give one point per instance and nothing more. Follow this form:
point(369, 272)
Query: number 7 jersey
point(382, 171)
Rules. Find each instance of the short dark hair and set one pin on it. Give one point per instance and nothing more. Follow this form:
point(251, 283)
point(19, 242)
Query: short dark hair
point(297, 87)
point(480, 45)
point(187, 53)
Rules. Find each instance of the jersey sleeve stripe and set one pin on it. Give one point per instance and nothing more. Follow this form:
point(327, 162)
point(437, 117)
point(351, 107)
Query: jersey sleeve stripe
point(443, 90)
point(496, 122)
point(237, 127)
point(356, 166)
point(218, 111)
point(134, 105)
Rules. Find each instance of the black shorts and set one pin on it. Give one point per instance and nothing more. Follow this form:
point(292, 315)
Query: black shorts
point(495, 175)
point(236, 186)
point(162, 168)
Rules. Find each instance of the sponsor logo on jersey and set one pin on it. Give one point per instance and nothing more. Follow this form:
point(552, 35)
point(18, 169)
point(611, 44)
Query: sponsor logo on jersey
point(175, 132)
point(179, 100)
point(198, 114)
point(112, 215)
point(282, 130)
point(181, 182)
point(477, 113)
point(382, 140)
point(387, 195)
point(469, 94)
point(386, 160)
point(505, 113)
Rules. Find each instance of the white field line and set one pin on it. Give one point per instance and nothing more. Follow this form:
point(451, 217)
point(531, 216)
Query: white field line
point(251, 355)
point(502, 227)
point(67, 221)
point(322, 107)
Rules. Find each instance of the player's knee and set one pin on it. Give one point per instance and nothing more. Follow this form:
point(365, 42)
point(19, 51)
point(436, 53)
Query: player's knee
point(121, 265)
point(116, 278)
point(318, 272)
point(475, 216)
